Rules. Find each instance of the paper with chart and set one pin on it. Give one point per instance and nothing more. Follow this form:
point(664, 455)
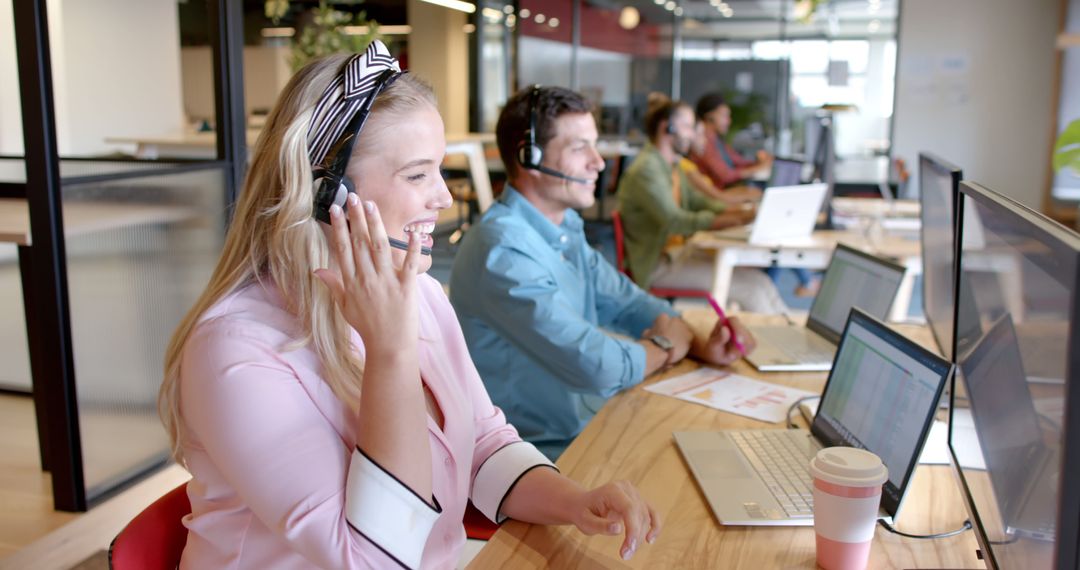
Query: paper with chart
point(731, 393)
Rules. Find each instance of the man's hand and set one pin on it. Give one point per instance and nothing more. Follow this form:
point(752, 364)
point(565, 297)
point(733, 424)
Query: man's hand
point(720, 347)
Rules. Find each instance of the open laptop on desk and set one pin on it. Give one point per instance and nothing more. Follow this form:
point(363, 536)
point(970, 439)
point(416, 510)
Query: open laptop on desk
point(852, 279)
point(786, 172)
point(881, 397)
point(786, 214)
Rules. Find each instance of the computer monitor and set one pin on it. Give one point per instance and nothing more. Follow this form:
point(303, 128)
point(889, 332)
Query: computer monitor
point(1014, 430)
point(939, 183)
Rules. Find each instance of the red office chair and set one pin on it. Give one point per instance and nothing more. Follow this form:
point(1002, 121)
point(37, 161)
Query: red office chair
point(664, 292)
point(477, 526)
point(155, 538)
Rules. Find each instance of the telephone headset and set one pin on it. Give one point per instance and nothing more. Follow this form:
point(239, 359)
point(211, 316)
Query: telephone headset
point(530, 154)
point(332, 186)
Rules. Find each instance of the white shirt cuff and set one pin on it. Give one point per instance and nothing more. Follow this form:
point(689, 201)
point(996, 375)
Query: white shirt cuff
point(387, 512)
point(500, 472)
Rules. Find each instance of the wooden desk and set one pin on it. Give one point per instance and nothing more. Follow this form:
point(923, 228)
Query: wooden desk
point(631, 439)
point(813, 253)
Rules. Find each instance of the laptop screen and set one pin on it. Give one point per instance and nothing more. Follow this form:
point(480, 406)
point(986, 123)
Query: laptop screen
point(881, 396)
point(853, 279)
point(786, 172)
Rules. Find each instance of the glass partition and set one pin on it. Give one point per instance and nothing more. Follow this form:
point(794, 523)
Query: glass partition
point(139, 252)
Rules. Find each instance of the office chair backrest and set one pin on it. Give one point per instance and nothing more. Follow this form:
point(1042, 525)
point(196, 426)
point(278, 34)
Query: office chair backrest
point(620, 247)
point(155, 538)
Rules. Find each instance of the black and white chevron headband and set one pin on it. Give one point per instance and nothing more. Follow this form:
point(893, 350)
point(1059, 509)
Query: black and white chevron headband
point(348, 93)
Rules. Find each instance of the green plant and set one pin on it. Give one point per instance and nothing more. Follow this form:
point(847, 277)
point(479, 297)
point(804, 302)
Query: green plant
point(1067, 149)
point(746, 109)
point(327, 32)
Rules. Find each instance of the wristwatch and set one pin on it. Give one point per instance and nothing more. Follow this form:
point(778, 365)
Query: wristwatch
point(665, 344)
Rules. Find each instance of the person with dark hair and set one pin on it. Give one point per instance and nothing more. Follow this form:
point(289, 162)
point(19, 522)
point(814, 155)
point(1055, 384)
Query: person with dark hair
point(538, 305)
point(718, 160)
point(660, 206)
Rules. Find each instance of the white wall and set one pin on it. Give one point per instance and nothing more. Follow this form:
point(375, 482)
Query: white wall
point(974, 85)
point(439, 54)
point(10, 111)
point(116, 72)
point(266, 71)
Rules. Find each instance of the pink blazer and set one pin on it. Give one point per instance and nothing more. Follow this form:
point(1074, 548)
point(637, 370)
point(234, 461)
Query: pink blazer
point(277, 479)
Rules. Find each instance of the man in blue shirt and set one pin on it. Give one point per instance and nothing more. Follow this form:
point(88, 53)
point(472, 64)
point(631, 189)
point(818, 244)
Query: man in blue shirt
point(538, 305)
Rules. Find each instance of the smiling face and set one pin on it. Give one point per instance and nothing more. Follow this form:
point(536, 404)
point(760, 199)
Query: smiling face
point(397, 166)
point(572, 151)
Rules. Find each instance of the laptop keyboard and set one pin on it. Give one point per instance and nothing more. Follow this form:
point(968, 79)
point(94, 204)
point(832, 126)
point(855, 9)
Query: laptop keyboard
point(798, 346)
point(784, 467)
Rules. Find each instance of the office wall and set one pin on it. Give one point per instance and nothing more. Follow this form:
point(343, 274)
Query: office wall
point(439, 53)
point(599, 71)
point(120, 71)
point(974, 85)
point(266, 71)
point(116, 71)
point(10, 111)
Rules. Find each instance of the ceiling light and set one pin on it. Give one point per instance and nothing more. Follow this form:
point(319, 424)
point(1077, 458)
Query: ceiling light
point(539, 18)
point(727, 12)
point(669, 6)
point(874, 25)
point(468, 28)
point(524, 12)
point(511, 20)
point(454, 5)
point(554, 22)
point(678, 11)
point(492, 14)
point(629, 18)
point(659, 2)
point(508, 10)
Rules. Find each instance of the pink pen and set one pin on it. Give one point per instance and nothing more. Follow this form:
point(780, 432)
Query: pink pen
point(727, 323)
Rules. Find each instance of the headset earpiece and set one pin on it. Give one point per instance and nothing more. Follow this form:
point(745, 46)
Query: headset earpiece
point(672, 107)
point(530, 155)
point(327, 193)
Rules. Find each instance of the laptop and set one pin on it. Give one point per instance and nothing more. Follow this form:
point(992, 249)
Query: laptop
point(1023, 468)
point(786, 215)
point(852, 279)
point(786, 172)
point(881, 397)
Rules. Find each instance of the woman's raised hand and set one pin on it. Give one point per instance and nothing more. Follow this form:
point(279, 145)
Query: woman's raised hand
point(376, 298)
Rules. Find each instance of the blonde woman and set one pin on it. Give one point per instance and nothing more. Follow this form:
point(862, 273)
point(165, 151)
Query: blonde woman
point(320, 391)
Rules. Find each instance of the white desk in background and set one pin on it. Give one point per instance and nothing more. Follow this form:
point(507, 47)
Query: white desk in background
point(201, 145)
point(813, 253)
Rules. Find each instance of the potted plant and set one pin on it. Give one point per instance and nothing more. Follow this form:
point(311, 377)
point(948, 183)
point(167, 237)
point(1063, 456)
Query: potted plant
point(327, 31)
point(1067, 153)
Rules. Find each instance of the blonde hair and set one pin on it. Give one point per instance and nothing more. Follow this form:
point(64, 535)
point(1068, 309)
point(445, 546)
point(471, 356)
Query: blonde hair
point(273, 236)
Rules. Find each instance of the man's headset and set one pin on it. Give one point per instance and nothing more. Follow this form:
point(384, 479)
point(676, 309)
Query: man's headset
point(332, 186)
point(530, 154)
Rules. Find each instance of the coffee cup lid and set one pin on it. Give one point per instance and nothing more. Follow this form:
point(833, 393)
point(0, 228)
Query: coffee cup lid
point(849, 466)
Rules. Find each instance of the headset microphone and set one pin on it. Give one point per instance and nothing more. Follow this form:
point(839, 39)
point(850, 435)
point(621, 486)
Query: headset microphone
point(557, 174)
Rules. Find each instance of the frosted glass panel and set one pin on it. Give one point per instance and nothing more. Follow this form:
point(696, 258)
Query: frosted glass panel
point(139, 251)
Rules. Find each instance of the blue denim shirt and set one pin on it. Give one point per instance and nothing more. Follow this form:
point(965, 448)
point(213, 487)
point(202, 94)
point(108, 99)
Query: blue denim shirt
point(537, 305)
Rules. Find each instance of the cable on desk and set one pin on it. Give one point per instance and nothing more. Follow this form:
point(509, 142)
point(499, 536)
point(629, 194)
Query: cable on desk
point(791, 424)
point(963, 528)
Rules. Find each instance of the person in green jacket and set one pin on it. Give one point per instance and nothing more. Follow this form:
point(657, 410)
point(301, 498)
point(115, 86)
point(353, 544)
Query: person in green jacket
point(660, 207)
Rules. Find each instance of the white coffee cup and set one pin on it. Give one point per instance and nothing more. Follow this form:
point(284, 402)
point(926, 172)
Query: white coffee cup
point(847, 497)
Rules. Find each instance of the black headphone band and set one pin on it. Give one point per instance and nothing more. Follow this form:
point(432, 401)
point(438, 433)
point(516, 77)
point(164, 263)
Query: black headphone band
point(534, 98)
